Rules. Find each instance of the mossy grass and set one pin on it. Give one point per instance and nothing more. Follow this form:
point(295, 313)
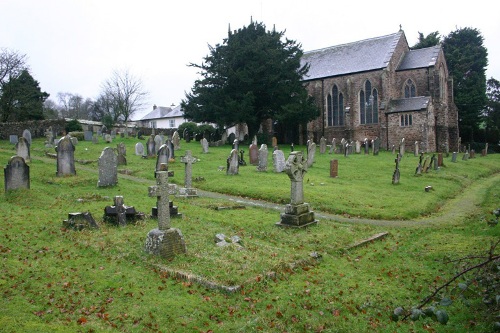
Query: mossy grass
point(59, 280)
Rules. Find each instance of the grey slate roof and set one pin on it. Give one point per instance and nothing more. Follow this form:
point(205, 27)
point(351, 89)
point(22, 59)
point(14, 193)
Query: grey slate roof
point(164, 112)
point(408, 104)
point(365, 55)
point(420, 58)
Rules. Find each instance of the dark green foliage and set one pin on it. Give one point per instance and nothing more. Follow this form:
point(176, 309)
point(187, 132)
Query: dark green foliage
point(466, 57)
point(190, 126)
point(22, 99)
point(491, 115)
point(73, 126)
point(251, 77)
point(107, 120)
point(431, 39)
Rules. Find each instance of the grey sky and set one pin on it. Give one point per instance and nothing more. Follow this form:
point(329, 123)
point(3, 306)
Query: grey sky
point(74, 45)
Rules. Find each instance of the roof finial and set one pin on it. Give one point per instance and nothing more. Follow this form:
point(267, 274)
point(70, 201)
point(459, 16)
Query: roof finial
point(400, 27)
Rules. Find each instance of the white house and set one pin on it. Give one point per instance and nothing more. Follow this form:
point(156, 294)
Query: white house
point(163, 117)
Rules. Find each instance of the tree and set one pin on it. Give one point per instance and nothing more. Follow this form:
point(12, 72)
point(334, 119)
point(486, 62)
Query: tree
point(467, 59)
point(431, 39)
point(50, 109)
point(12, 64)
point(252, 76)
point(122, 95)
point(491, 113)
point(22, 99)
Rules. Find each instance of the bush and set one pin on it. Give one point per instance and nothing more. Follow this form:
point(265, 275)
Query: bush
point(190, 126)
point(73, 126)
point(79, 135)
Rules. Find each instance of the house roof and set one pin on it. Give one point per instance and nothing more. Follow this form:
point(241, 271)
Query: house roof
point(365, 55)
point(420, 58)
point(164, 112)
point(408, 104)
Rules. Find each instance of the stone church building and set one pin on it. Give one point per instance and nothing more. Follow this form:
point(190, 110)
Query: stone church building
point(378, 87)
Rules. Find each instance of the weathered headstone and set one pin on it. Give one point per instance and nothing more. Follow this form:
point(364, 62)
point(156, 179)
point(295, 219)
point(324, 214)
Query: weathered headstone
point(418, 170)
point(358, 147)
point(233, 163)
point(107, 165)
point(454, 157)
point(95, 138)
point(311, 151)
point(253, 153)
point(188, 190)
point(278, 161)
point(150, 146)
point(402, 147)
point(80, 221)
point(158, 142)
point(13, 139)
point(113, 133)
point(466, 156)
point(65, 157)
point(27, 135)
point(322, 145)
point(87, 135)
point(376, 146)
point(396, 174)
point(119, 213)
point(334, 168)
point(204, 145)
point(346, 150)
point(121, 149)
point(171, 149)
point(366, 146)
point(236, 143)
point(425, 167)
point(108, 138)
point(176, 140)
point(274, 141)
point(23, 149)
point(263, 155)
point(16, 174)
point(139, 149)
point(163, 241)
point(162, 157)
point(440, 160)
point(297, 213)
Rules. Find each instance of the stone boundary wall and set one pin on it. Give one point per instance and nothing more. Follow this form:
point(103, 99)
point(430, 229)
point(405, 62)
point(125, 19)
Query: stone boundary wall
point(36, 127)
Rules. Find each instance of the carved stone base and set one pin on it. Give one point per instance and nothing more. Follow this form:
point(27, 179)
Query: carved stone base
point(174, 210)
point(165, 243)
point(188, 192)
point(297, 216)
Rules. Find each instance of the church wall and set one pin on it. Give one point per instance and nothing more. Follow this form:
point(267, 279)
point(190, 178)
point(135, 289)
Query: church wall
point(419, 76)
point(420, 130)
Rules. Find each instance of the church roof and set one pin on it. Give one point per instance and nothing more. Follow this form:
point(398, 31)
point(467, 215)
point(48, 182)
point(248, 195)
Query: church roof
point(408, 104)
point(160, 112)
point(365, 55)
point(420, 58)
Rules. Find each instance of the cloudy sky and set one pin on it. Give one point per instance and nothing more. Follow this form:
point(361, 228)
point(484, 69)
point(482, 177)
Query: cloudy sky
point(74, 45)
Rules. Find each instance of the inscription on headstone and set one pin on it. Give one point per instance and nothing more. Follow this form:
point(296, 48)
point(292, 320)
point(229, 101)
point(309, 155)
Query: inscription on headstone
point(107, 165)
point(16, 174)
point(65, 157)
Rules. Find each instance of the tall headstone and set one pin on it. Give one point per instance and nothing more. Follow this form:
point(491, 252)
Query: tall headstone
point(253, 153)
point(454, 157)
point(16, 174)
point(164, 241)
point(396, 174)
point(334, 168)
point(158, 142)
point(278, 161)
point(233, 163)
point(275, 141)
point(263, 154)
point(65, 157)
point(322, 145)
point(236, 144)
point(95, 138)
point(311, 152)
point(162, 157)
point(297, 212)
point(27, 136)
point(366, 146)
point(107, 165)
point(176, 140)
point(440, 160)
point(376, 146)
point(121, 149)
point(150, 146)
point(418, 170)
point(358, 147)
point(87, 135)
point(23, 149)
point(402, 147)
point(188, 190)
point(204, 145)
point(415, 151)
point(139, 149)
point(171, 149)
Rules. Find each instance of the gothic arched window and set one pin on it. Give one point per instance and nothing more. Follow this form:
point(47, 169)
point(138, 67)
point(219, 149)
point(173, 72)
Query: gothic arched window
point(410, 90)
point(368, 104)
point(335, 102)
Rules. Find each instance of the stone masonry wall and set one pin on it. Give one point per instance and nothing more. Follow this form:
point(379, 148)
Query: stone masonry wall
point(36, 127)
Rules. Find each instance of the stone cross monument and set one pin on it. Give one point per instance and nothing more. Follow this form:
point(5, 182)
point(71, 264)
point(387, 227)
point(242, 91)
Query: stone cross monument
point(188, 190)
point(297, 213)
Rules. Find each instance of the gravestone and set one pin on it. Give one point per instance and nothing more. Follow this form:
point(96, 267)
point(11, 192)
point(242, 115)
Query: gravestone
point(188, 191)
point(27, 136)
point(396, 174)
point(466, 156)
point(121, 149)
point(342, 146)
point(164, 241)
point(311, 151)
point(95, 138)
point(333, 147)
point(334, 168)
point(232, 163)
point(235, 144)
point(432, 163)
point(162, 157)
point(366, 146)
point(139, 149)
point(241, 159)
point(358, 147)
point(176, 140)
point(23, 149)
point(402, 147)
point(274, 141)
point(230, 138)
point(346, 150)
point(454, 157)
point(150, 146)
point(107, 165)
point(119, 213)
point(486, 149)
point(80, 221)
point(322, 145)
point(253, 153)
point(393, 149)
point(376, 146)
point(65, 157)
point(204, 145)
point(415, 152)
point(50, 137)
point(108, 138)
point(113, 134)
point(278, 161)
point(418, 170)
point(74, 140)
point(440, 160)
point(472, 153)
point(87, 135)
point(171, 149)
point(13, 139)
point(16, 174)
point(425, 167)
point(158, 142)
point(297, 212)
point(263, 155)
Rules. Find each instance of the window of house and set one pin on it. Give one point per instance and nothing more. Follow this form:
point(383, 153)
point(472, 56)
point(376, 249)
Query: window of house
point(171, 123)
point(335, 107)
point(368, 104)
point(406, 120)
point(410, 89)
point(152, 124)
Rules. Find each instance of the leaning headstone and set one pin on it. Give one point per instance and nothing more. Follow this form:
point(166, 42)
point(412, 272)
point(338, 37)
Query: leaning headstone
point(322, 145)
point(376, 146)
point(253, 153)
point(334, 168)
point(87, 135)
point(204, 145)
point(139, 149)
point(233, 163)
point(158, 142)
point(278, 161)
point(65, 157)
point(176, 140)
point(107, 165)
point(297, 212)
point(454, 157)
point(425, 166)
point(263, 154)
point(13, 139)
point(418, 170)
point(188, 191)
point(396, 174)
point(27, 135)
point(16, 174)
point(311, 151)
point(164, 241)
point(23, 149)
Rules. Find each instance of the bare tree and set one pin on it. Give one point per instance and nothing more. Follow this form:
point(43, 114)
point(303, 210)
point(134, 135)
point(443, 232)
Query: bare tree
point(12, 64)
point(124, 93)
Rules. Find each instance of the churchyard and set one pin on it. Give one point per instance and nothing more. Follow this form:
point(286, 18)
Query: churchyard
point(241, 272)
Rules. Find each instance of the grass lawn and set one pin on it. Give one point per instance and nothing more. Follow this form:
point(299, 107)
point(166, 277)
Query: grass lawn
point(58, 280)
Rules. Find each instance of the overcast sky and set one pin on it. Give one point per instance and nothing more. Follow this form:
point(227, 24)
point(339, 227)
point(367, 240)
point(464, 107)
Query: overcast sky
point(74, 45)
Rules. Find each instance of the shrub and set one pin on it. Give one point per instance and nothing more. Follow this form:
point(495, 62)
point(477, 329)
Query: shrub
point(73, 126)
